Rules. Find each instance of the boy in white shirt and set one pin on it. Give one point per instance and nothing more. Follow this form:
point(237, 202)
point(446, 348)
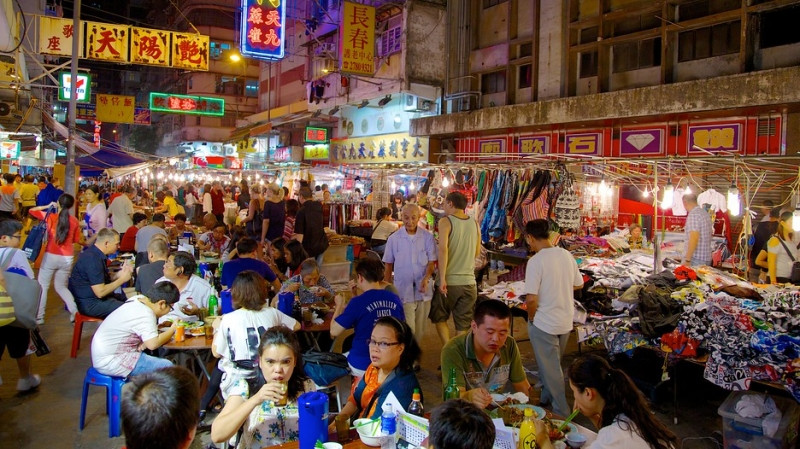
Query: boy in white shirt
point(119, 341)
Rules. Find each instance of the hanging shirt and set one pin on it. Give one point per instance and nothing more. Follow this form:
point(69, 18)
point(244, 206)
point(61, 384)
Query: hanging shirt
point(677, 203)
point(717, 200)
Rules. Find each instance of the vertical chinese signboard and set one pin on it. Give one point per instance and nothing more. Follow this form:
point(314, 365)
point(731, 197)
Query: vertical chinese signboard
point(150, 46)
point(190, 51)
point(55, 36)
point(107, 42)
point(357, 39)
point(262, 29)
point(115, 108)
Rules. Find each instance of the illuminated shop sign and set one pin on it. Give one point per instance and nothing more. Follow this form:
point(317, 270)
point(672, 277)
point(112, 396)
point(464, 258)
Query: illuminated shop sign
point(83, 86)
point(262, 28)
point(316, 135)
point(186, 104)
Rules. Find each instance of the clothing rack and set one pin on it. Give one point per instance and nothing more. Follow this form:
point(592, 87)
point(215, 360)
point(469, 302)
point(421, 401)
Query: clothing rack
point(342, 212)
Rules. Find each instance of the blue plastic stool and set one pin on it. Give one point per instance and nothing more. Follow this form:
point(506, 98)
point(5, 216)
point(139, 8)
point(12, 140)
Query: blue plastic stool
point(113, 396)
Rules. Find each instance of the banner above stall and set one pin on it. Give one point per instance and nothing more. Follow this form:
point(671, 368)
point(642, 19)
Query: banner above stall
point(384, 149)
point(745, 136)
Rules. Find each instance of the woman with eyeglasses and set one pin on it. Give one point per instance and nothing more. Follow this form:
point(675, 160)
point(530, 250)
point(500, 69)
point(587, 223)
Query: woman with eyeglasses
point(392, 351)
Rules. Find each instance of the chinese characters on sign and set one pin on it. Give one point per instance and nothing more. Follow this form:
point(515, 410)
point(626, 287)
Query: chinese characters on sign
point(83, 87)
point(584, 144)
point(534, 145)
point(186, 104)
point(107, 42)
point(190, 51)
point(316, 135)
point(263, 28)
point(55, 36)
point(115, 108)
point(717, 137)
point(387, 148)
point(493, 146)
point(636, 142)
point(150, 46)
point(357, 39)
point(316, 152)
point(141, 116)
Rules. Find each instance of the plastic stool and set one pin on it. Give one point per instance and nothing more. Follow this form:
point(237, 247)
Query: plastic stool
point(77, 330)
point(113, 386)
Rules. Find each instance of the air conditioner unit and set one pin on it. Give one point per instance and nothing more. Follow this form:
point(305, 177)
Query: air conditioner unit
point(414, 103)
point(325, 49)
point(7, 108)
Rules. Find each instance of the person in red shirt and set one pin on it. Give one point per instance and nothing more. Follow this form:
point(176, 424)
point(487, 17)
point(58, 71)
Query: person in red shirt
point(128, 242)
point(63, 232)
point(217, 201)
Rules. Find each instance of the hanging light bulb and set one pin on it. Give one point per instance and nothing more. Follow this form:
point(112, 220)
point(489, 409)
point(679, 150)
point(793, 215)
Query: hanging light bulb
point(734, 206)
point(646, 193)
point(445, 182)
point(796, 218)
point(603, 185)
point(687, 191)
point(669, 191)
point(412, 186)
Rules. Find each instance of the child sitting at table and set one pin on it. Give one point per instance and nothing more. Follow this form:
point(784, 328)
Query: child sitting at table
point(119, 341)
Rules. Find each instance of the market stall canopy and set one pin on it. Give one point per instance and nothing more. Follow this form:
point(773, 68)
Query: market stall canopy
point(108, 157)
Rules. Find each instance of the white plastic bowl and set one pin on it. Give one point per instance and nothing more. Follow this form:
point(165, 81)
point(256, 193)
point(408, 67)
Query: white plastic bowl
point(575, 439)
point(370, 434)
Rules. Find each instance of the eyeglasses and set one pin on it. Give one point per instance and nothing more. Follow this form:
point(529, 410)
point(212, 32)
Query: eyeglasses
point(381, 344)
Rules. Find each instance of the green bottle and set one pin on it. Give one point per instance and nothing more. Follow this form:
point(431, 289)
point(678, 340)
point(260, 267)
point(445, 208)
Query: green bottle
point(451, 391)
point(212, 305)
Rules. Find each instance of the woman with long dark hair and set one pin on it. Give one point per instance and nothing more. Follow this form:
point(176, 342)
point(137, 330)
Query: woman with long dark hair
point(609, 398)
point(276, 258)
point(63, 232)
point(258, 404)
point(292, 206)
point(295, 254)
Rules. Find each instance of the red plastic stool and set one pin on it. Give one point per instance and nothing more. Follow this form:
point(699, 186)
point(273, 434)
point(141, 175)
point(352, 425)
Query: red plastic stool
point(77, 330)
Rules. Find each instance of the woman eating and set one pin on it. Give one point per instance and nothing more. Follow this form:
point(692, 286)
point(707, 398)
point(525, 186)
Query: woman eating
point(267, 406)
point(393, 351)
point(295, 254)
point(609, 398)
point(276, 258)
point(309, 285)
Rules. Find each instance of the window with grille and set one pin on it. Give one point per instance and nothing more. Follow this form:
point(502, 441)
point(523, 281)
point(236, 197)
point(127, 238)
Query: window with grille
point(391, 40)
point(251, 89)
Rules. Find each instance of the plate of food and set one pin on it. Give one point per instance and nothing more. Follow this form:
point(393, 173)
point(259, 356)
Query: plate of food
point(513, 415)
point(211, 254)
point(197, 332)
point(510, 399)
point(554, 433)
point(190, 325)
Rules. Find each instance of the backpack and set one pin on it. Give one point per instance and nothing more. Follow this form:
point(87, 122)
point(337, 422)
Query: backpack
point(324, 368)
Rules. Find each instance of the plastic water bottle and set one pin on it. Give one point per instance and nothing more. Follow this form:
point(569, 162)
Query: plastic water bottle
point(388, 428)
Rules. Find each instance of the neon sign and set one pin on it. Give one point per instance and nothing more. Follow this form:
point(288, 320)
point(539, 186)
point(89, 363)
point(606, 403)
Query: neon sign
point(262, 29)
point(186, 104)
point(316, 135)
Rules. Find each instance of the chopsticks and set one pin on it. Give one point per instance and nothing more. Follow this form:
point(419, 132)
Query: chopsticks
point(373, 421)
point(566, 421)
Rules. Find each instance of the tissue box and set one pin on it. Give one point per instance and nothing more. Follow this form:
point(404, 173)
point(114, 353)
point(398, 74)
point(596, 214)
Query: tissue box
point(744, 433)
